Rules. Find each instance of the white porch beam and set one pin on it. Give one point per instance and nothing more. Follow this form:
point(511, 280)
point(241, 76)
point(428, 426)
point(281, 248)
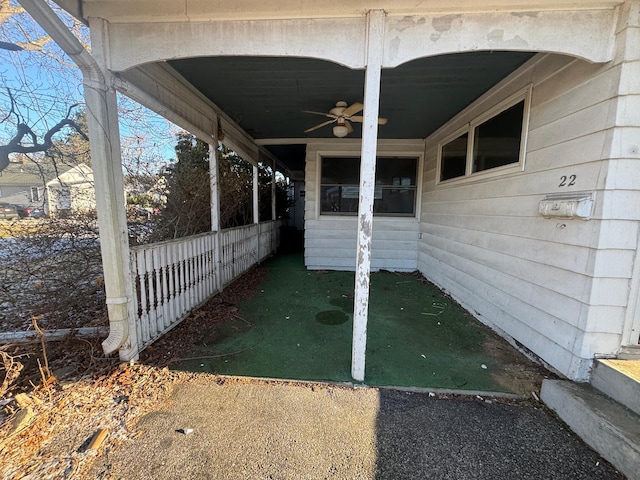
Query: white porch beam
point(583, 31)
point(104, 140)
point(161, 89)
point(587, 34)
point(375, 43)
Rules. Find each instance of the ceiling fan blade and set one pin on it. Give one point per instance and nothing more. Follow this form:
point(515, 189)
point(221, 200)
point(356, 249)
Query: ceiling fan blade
point(324, 114)
point(353, 109)
point(318, 126)
point(349, 127)
point(360, 118)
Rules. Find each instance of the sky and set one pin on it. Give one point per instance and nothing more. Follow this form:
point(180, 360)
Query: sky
point(41, 85)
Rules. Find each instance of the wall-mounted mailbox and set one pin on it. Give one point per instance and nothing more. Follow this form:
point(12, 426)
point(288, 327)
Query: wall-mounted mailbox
point(567, 205)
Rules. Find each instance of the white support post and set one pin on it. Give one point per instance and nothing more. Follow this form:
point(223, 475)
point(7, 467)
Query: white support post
point(375, 42)
point(214, 185)
point(256, 195)
point(104, 141)
point(273, 190)
point(214, 182)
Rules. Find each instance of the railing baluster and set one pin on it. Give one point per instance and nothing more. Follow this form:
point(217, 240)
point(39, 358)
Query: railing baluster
point(171, 278)
point(144, 306)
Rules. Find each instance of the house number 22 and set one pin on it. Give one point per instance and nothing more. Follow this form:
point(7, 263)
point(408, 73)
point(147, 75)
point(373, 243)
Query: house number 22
point(567, 181)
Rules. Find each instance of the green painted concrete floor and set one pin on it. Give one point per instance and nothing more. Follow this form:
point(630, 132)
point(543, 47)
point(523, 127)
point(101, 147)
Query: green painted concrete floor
point(299, 326)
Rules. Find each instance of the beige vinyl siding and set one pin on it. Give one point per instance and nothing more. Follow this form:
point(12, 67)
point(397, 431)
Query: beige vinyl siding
point(330, 240)
point(559, 287)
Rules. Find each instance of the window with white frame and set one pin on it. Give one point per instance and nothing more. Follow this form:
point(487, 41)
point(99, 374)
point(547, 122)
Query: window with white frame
point(494, 140)
point(395, 188)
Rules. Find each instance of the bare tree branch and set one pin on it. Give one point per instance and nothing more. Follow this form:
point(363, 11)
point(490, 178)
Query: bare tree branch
point(23, 130)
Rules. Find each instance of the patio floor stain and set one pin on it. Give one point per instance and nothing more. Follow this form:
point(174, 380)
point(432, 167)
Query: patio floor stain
point(299, 326)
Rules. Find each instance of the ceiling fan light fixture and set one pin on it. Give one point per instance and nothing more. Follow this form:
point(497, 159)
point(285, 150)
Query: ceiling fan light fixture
point(340, 131)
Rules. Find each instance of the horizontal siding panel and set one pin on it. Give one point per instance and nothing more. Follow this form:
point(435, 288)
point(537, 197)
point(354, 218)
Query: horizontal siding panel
point(578, 91)
point(610, 291)
point(543, 298)
point(329, 263)
point(567, 257)
point(614, 263)
point(623, 174)
point(589, 177)
point(569, 284)
point(394, 265)
point(618, 234)
point(586, 149)
point(615, 319)
point(325, 243)
point(574, 125)
point(575, 232)
point(549, 344)
point(511, 206)
point(378, 254)
point(621, 204)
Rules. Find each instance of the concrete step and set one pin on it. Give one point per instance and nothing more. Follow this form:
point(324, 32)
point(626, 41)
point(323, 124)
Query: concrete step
point(609, 428)
point(620, 380)
point(630, 352)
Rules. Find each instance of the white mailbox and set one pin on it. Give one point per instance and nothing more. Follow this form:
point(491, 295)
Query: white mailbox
point(567, 205)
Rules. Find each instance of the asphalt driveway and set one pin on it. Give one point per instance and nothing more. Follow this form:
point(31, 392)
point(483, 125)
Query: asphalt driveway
point(246, 429)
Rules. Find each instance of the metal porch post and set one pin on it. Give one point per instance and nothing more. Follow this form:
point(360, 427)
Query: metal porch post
point(375, 37)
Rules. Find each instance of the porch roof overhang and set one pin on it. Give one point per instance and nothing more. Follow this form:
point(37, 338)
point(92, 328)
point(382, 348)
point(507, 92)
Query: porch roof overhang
point(254, 68)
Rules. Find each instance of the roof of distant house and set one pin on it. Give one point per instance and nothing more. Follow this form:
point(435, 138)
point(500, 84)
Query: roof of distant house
point(29, 174)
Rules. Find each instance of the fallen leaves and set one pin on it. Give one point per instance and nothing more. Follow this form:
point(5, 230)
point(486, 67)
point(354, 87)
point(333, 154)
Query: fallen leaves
point(56, 442)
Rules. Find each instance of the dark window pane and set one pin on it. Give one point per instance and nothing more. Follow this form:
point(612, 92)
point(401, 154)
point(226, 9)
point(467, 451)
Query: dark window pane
point(394, 193)
point(339, 171)
point(394, 201)
point(339, 200)
point(453, 160)
point(396, 171)
point(497, 141)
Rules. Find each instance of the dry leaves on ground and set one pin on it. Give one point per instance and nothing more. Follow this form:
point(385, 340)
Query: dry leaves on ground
point(49, 435)
point(46, 427)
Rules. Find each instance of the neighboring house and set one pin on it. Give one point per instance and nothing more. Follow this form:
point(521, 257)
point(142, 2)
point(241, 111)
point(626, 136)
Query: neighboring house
point(24, 183)
point(55, 187)
point(508, 172)
point(71, 191)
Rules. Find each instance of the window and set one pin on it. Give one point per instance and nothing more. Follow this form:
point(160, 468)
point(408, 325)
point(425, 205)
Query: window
point(395, 190)
point(489, 142)
point(35, 194)
point(496, 142)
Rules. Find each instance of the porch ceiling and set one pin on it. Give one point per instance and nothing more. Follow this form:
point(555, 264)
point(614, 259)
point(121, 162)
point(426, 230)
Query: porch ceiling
point(266, 96)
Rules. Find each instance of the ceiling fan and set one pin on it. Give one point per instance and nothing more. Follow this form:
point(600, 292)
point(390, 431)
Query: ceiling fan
point(342, 115)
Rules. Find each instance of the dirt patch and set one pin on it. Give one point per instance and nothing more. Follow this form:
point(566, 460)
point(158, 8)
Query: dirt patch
point(517, 373)
point(204, 322)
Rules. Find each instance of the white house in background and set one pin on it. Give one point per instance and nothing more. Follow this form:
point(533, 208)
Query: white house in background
point(71, 191)
point(57, 188)
point(24, 183)
point(508, 171)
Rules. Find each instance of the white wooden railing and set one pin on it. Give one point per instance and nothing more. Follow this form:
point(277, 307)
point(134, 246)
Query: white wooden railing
point(173, 277)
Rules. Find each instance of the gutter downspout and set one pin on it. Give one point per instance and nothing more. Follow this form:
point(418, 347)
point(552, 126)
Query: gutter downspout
point(101, 107)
